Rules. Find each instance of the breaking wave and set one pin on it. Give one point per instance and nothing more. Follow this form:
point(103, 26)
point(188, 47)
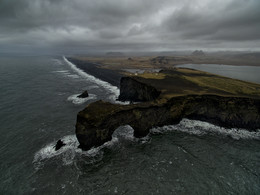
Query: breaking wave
point(70, 150)
point(123, 133)
point(199, 128)
point(75, 100)
point(113, 89)
point(49, 151)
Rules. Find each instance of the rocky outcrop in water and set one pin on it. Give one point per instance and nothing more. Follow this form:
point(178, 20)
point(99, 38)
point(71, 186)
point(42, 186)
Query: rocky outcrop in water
point(133, 90)
point(97, 122)
point(83, 95)
point(59, 145)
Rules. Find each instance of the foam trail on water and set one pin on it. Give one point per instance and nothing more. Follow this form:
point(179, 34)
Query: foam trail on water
point(57, 62)
point(75, 100)
point(61, 71)
point(200, 128)
point(92, 87)
point(70, 150)
point(74, 76)
point(113, 89)
point(49, 150)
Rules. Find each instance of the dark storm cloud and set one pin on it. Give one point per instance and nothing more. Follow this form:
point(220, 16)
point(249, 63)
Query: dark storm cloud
point(240, 20)
point(130, 24)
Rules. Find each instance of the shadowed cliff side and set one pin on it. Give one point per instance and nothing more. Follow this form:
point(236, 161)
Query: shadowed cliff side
point(97, 122)
point(133, 90)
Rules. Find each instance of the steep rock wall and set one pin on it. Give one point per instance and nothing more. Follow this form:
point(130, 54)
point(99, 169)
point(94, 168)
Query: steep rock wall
point(133, 90)
point(97, 122)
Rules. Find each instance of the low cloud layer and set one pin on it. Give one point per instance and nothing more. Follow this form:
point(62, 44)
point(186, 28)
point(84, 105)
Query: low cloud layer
point(129, 25)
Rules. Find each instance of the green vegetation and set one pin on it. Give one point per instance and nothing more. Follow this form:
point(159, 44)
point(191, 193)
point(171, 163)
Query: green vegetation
point(181, 81)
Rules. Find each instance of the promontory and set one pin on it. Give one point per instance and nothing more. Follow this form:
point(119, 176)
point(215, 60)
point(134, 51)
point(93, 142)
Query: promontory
point(166, 97)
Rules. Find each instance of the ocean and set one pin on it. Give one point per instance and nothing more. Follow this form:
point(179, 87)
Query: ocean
point(39, 105)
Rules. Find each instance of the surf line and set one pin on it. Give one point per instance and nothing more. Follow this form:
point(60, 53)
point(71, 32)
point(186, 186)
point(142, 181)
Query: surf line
point(113, 89)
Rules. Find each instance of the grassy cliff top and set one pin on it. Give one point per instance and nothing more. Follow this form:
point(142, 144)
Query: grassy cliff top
point(182, 81)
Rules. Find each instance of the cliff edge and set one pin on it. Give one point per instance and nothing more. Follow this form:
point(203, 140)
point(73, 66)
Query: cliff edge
point(133, 90)
point(235, 106)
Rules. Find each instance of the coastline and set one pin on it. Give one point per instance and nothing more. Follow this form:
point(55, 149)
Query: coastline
point(111, 76)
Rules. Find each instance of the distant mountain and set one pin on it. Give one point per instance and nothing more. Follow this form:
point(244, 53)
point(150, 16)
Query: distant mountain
point(198, 53)
point(115, 54)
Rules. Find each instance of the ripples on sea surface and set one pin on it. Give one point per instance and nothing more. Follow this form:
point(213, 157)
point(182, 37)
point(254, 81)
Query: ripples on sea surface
point(39, 106)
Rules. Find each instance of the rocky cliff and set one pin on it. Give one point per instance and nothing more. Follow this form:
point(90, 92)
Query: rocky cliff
point(97, 122)
point(133, 90)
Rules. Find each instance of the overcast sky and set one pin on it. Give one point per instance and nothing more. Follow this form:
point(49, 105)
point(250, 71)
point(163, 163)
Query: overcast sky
point(129, 25)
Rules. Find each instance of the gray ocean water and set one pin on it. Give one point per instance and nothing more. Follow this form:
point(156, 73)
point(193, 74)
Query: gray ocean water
point(38, 106)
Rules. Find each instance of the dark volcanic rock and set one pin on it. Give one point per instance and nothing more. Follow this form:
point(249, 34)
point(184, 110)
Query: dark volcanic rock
point(97, 122)
point(59, 145)
point(133, 90)
point(83, 95)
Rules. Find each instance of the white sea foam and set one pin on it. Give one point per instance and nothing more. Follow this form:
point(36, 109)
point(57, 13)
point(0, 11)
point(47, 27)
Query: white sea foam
point(200, 128)
point(75, 100)
point(57, 62)
point(113, 89)
point(61, 71)
point(70, 150)
point(93, 87)
point(48, 151)
point(67, 73)
point(124, 132)
point(74, 76)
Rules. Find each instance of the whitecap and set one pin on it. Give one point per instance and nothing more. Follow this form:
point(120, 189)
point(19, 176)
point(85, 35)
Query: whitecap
point(61, 71)
point(75, 100)
point(69, 151)
point(49, 151)
point(74, 76)
point(92, 87)
point(199, 128)
point(57, 62)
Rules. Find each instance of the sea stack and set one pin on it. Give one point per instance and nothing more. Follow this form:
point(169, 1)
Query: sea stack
point(59, 145)
point(83, 95)
point(135, 91)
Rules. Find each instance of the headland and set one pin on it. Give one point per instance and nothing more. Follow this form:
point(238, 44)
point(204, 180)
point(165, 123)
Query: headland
point(166, 97)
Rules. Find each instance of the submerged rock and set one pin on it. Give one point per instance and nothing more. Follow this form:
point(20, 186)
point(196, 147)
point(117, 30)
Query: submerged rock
point(59, 145)
point(83, 95)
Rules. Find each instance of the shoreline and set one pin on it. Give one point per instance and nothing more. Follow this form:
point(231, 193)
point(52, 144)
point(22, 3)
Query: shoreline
point(111, 76)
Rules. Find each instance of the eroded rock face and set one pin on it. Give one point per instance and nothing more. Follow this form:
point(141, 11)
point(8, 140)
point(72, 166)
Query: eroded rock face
point(133, 90)
point(97, 122)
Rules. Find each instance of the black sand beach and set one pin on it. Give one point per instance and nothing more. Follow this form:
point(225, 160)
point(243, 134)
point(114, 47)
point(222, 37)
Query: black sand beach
point(111, 76)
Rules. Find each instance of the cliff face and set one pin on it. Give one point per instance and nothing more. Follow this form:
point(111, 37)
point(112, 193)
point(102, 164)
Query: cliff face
point(97, 122)
point(133, 90)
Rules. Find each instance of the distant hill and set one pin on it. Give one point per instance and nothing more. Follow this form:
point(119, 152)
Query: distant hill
point(198, 53)
point(115, 54)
